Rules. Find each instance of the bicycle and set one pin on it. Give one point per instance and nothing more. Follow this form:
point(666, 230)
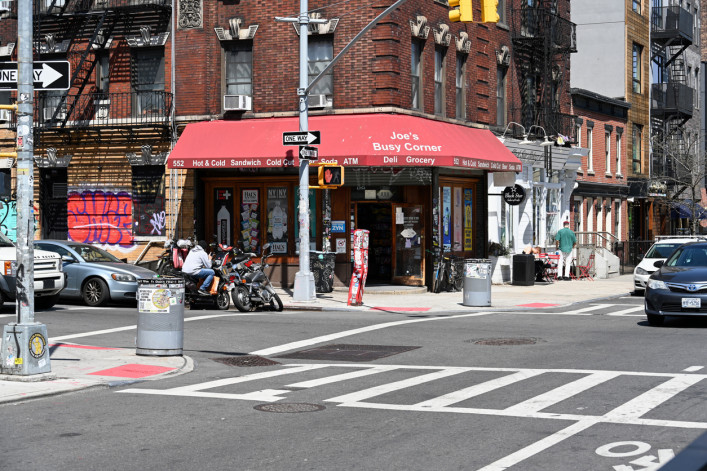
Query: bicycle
point(455, 273)
point(448, 276)
point(439, 277)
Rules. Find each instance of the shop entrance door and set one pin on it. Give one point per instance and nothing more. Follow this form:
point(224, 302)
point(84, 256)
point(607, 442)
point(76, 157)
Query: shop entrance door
point(408, 244)
point(377, 219)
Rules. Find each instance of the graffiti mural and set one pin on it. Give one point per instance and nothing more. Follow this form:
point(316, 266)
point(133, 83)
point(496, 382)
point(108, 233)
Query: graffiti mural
point(8, 219)
point(100, 217)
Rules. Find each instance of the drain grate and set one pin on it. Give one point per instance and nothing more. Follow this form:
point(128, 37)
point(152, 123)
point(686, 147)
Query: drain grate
point(246, 360)
point(343, 352)
point(289, 407)
point(506, 341)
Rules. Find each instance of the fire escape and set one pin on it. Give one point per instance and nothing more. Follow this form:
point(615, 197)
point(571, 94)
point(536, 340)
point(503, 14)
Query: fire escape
point(672, 97)
point(542, 44)
point(81, 31)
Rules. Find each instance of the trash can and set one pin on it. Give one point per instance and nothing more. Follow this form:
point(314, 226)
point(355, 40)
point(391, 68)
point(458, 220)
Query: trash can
point(160, 320)
point(477, 282)
point(322, 266)
point(523, 269)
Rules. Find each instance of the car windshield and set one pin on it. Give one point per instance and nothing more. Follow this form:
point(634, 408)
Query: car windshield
point(4, 241)
point(93, 254)
point(689, 257)
point(661, 250)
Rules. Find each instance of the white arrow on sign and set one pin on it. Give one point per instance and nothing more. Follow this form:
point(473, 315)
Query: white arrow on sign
point(47, 75)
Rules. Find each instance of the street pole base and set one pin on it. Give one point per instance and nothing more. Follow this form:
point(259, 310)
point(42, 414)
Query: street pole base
point(304, 287)
point(24, 350)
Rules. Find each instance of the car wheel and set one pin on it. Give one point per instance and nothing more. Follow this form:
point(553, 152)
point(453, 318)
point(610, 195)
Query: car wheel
point(95, 292)
point(639, 292)
point(46, 302)
point(655, 320)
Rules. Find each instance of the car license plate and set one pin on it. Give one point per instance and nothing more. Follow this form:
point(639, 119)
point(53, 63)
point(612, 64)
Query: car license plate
point(692, 302)
point(48, 284)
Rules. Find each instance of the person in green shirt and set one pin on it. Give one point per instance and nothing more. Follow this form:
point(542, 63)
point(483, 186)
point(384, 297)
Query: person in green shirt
point(566, 241)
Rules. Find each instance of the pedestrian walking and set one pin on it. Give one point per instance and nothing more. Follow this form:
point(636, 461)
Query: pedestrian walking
point(566, 241)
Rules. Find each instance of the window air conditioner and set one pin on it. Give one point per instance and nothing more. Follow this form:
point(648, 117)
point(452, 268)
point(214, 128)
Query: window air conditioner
point(237, 102)
point(5, 6)
point(5, 115)
point(317, 101)
point(49, 113)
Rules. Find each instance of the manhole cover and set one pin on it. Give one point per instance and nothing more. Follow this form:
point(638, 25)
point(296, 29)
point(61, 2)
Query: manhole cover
point(502, 341)
point(246, 360)
point(289, 407)
point(342, 352)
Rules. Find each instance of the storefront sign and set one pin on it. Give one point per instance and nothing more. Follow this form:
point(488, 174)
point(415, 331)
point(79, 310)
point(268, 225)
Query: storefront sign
point(340, 245)
point(338, 227)
point(250, 219)
point(514, 195)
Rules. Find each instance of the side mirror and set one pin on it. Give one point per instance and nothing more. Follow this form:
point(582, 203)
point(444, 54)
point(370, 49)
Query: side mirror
point(658, 263)
point(640, 256)
point(68, 259)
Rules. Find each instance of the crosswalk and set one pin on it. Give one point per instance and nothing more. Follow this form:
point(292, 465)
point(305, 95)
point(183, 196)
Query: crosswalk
point(580, 384)
point(601, 309)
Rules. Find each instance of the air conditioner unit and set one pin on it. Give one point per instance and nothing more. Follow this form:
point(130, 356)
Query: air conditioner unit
point(237, 103)
point(5, 6)
point(5, 115)
point(317, 101)
point(49, 113)
point(102, 108)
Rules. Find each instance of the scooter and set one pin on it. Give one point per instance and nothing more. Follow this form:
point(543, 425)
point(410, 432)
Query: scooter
point(172, 259)
point(252, 287)
point(223, 277)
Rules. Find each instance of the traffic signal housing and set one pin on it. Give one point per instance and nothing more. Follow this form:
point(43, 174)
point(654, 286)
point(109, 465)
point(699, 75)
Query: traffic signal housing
point(331, 175)
point(489, 11)
point(463, 13)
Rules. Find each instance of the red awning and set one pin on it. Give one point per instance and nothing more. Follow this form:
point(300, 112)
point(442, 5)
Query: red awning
point(369, 140)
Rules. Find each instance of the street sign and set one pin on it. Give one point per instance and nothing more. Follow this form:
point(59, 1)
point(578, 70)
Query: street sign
point(300, 138)
point(48, 75)
point(309, 153)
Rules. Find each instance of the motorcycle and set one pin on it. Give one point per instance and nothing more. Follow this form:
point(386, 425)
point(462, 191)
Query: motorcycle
point(252, 287)
point(172, 259)
point(223, 277)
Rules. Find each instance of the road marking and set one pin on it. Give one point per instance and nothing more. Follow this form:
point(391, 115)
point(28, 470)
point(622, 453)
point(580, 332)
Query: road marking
point(342, 377)
point(347, 333)
point(626, 312)
point(8, 315)
point(693, 369)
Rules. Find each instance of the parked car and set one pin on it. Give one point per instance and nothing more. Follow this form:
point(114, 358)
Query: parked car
point(661, 250)
point(94, 275)
point(679, 286)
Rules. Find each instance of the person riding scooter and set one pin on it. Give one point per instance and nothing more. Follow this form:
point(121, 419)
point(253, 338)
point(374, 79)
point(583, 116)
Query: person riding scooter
point(198, 264)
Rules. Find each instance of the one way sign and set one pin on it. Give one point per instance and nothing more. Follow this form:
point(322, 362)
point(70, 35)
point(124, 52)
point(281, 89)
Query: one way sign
point(300, 138)
point(48, 75)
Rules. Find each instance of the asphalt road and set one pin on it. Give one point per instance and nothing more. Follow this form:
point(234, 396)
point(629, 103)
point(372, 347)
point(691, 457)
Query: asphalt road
point(590, 387)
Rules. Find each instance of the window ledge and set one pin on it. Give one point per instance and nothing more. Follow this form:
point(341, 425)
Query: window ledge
point(590, 172)
point(608, 175)
point(618, 175)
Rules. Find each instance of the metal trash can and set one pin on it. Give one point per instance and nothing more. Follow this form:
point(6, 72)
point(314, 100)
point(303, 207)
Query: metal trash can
point(322, 266)
point(477, 282)
point(160, 320)
point(524, 269)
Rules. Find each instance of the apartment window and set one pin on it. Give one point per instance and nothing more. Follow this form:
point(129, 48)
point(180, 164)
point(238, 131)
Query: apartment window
point(590, 146)
point(618, 154)
point(460, 74)
point(148, 187)
point(607, 151)
point(501, 79)
point(637, 66)
point(148, 82)
point(502, 11)
point(578, 133)
point(637, 6)
point(637, 144)
point(102, 72)
point(320, 50)
point(239, 67)
point(416, 74)
point(617, 219)
point(439, 82)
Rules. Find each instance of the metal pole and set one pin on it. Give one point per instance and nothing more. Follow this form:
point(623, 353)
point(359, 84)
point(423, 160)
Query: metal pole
point(25, 350)
point(304, 279)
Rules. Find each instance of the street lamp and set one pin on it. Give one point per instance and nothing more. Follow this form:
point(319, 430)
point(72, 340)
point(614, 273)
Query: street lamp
point(547, 141)
point(525, 135)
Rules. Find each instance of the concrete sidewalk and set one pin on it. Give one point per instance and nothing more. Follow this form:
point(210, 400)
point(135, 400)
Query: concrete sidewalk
point(76, 367)
point(503, 297)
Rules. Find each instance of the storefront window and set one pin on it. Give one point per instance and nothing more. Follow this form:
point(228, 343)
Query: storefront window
point(250, 219)
point(468, 226)
point(277, 219)
point(446, 218)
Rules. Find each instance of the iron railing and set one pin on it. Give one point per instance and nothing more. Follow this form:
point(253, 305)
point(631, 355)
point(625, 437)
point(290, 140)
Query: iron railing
point(533, 24)
point(130, 109)
point(553, 122)
point(672, 99)
point(673, 22)
point(77, 6)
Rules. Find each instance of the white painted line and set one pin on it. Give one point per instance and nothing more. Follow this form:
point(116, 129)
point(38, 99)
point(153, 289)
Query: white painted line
point(347, 333)
point(341, 377)
point(651, 399)
point(594, 307)
point(623, 312)
point(693, 369)
point(8, 315)
point(561, 393)
point(397, 385)
point(266, 395)
point(478, 389)
point(537, 447)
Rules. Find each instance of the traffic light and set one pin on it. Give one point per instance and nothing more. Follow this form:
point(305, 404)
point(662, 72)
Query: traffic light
point(463, 13)
point(489, 11)
point(331, 175)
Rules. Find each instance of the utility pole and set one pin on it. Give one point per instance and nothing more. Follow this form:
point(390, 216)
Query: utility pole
point(24, 343)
